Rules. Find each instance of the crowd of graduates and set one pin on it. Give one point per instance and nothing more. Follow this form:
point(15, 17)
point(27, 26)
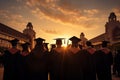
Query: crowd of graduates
point(71, 63)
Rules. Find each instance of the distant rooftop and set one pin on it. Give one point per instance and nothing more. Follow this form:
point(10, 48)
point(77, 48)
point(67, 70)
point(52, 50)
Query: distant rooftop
point(12, 32)
point(98, 38)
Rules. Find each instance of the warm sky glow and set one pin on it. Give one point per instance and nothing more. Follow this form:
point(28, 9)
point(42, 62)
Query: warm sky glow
point(59, 18)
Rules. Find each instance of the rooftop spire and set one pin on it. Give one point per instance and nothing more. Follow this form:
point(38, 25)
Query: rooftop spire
point(29, 25)
point(82, 34)
point(112, 17)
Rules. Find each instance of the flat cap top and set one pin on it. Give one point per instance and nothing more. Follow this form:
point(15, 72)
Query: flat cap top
point(74, 38)
point(59, 39)
point(14, 41)
point(46, 43)
point(39, 39)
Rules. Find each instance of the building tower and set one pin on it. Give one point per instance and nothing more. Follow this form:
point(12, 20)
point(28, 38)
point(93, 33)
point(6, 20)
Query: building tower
point(112, 29)
point(112, 17)
point(30, 33)
point(83, 40)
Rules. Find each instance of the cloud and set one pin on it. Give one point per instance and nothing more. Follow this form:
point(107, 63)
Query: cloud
point(50, 31)
point(12, 19)
point(117, 11)
point(62, 11)
point(92, 11)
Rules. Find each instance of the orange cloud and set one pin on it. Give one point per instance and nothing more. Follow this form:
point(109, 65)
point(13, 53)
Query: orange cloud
point(14, 20)
point(51, 31)
point(62, 11)
point(92, 11)
point(117, 11)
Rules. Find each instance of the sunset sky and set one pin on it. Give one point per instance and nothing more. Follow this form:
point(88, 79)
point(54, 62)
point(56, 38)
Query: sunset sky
point(59, 18)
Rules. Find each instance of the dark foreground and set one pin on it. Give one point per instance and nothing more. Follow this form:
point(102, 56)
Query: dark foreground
point(1, 75)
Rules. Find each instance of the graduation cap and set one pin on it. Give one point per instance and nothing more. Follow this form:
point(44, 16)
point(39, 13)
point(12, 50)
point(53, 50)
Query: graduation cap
point(59, 40)
point(104, 43)
point(14, 41)
point(46, 43)
point(88, 43)
point(25, 44)
point(39, 40)
point(74, 39)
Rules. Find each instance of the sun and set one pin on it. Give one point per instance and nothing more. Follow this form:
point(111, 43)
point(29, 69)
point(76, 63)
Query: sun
point(64, 45)
point(66, 42)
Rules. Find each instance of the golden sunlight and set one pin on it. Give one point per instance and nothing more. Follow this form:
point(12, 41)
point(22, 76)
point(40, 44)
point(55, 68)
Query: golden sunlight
point(66, 42)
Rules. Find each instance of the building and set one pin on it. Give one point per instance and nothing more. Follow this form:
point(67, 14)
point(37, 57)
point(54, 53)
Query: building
point(83, 40)
point(7, 33)
point(112, 33)
point(30, 34)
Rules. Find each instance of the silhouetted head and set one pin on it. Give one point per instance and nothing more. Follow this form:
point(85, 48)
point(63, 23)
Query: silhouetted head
point(53, 46)
point(88, 43)
point(59, 41)
point(105, 43)
point(75, 41)
point(25, 45)
point(46, 45)
point(39, 40)
point(14, 42)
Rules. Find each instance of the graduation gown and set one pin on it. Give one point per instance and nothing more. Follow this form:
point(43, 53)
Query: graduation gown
point(36, 65)
point(104, 60)
point(23, 67)
point(117, 63)
point(56, 63)
point(72, 65)
point(88, 64)
point(11, 62)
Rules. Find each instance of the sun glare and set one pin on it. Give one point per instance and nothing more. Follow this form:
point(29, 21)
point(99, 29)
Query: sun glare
point(66, 42)
point(64, 45)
